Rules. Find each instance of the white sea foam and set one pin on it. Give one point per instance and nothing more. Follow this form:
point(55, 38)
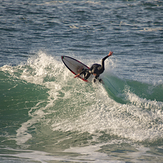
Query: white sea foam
point(84, 107)
point(125, 120)
point(89, 153)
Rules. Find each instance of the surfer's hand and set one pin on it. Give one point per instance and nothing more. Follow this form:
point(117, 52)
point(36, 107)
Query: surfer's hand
point(76, 75)
point(110, 53)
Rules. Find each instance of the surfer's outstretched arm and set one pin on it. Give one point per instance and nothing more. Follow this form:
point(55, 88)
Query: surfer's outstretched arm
point(110, 53)
point(102, 63)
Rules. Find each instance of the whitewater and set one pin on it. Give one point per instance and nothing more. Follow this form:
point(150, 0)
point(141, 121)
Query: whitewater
point(48, 116)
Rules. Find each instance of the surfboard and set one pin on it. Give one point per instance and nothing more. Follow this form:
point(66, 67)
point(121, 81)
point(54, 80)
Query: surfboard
point(75, 67)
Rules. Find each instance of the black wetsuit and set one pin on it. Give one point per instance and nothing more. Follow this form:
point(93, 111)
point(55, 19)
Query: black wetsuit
point(95, 69)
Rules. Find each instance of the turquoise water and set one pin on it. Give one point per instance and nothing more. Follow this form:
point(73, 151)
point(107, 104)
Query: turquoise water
point(48, 116)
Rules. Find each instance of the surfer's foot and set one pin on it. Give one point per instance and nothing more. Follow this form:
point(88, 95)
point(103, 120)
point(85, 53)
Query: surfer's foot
point(100, 80)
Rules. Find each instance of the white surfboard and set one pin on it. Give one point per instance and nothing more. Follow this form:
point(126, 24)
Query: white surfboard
point(75, 67)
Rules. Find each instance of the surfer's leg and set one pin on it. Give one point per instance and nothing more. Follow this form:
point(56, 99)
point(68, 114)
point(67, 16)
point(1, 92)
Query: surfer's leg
point(95, 78)
point(86, 75)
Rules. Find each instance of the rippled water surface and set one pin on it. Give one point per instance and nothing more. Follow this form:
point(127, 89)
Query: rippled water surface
point(48, 116)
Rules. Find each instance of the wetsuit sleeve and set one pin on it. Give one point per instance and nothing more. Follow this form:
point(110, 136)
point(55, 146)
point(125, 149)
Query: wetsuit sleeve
point(102, 63)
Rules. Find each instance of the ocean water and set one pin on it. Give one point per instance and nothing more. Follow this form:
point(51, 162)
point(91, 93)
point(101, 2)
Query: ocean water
point(47, 116)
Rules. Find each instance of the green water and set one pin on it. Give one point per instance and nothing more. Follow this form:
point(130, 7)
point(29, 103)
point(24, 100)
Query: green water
point(47, 116)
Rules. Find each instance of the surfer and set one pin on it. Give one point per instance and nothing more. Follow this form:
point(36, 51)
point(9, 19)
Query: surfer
point(96, 69)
